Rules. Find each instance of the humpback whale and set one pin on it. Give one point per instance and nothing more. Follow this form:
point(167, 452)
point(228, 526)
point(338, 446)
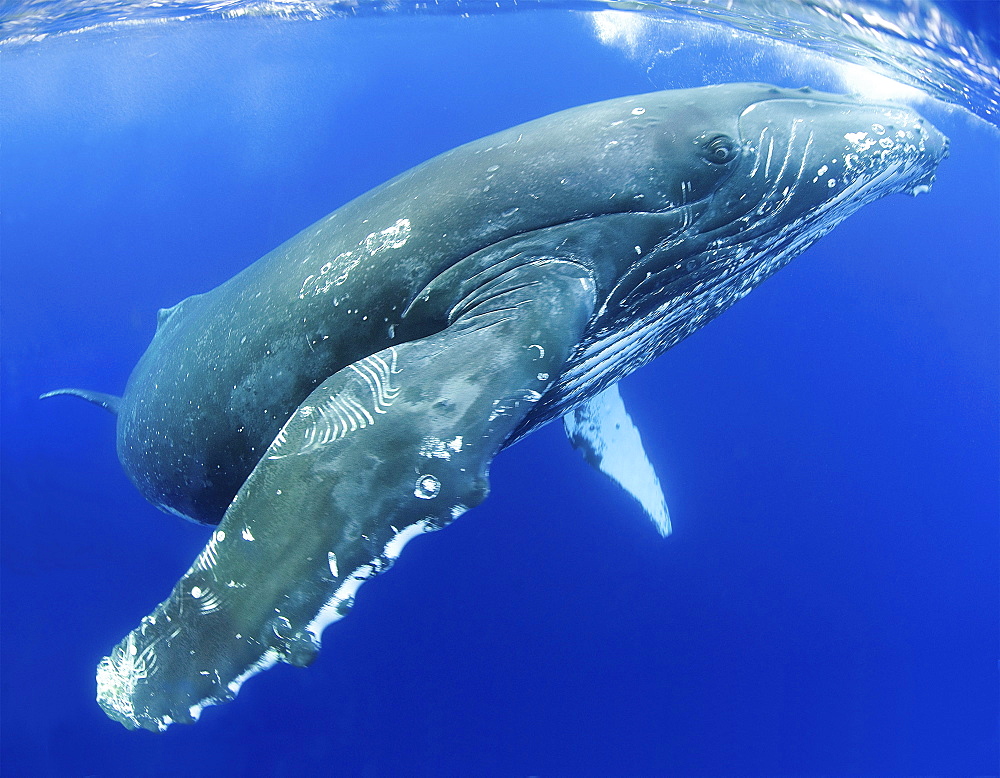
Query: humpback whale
point(349, 390)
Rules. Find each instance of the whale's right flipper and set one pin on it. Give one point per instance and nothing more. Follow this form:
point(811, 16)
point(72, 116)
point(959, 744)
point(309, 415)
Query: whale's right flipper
point(603, 431)
point(396, 444)
point(107, 401)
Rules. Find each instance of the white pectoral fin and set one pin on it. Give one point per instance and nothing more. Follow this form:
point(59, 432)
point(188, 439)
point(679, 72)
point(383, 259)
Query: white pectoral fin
point(604, 432)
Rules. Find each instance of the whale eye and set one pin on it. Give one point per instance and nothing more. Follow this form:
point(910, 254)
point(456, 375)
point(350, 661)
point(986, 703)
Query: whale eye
point(720, 150)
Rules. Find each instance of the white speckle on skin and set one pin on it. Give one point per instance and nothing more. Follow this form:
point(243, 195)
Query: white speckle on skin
point(219, 536)
point(638, 111)
point(332, 560)
point(196, 592)
point(247, 534)
point(435, 448)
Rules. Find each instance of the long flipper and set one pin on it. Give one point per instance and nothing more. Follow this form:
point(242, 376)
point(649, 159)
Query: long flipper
point(604, 432)
point(394, 445)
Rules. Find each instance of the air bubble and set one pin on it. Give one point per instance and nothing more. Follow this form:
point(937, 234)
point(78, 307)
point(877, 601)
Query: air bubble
point(427, 487)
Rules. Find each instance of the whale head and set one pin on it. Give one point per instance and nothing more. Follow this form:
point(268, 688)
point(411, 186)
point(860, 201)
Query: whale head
point(724, 185)
point(759, 174)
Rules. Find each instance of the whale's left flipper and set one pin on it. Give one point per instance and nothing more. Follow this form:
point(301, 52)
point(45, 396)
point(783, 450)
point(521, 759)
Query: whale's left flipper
point(393, 445)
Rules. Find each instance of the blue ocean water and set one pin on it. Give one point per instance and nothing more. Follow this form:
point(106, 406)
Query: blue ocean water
point(828, 602)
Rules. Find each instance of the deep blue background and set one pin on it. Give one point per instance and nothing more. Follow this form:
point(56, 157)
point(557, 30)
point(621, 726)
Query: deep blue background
point(828, 603)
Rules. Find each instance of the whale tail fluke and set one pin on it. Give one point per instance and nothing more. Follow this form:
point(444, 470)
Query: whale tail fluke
point(107, 401)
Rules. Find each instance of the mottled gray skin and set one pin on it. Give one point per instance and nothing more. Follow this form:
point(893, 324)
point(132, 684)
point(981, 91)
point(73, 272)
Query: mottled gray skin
point(350, 389)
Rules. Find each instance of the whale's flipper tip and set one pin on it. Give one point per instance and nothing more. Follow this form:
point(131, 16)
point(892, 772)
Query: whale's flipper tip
point(107, 401)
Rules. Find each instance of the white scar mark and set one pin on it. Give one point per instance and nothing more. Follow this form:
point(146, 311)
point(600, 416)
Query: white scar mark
point(760, 147)
point(337, 417)
point(378, 375)
point(805, 156)
point(788, 152)
point(336, 272)
point(394, 237)
point(686, 214)
point(770, 154)
point(210, 554)
point(777, 198)
point(342, 413)
point(789, 191)
point(330, 274)
point(435, 448)
point(208, 601)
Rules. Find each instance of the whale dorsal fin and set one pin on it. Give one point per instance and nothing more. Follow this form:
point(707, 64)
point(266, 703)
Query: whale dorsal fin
point(606, 436)
point(107, 401)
